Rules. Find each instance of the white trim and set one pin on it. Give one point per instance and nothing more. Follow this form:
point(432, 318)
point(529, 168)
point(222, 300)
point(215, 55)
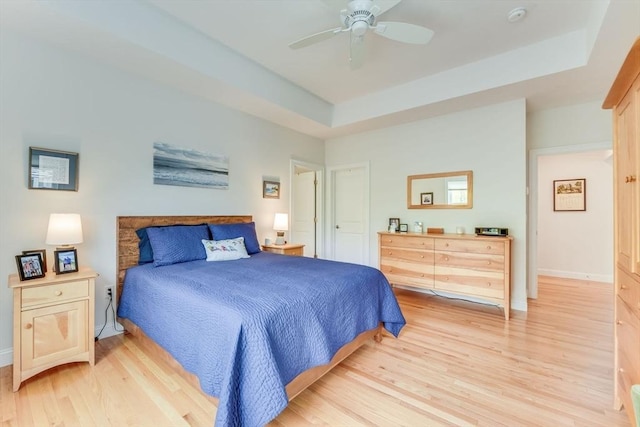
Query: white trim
point(6, 357)
point(532, 225)
point(605, 278)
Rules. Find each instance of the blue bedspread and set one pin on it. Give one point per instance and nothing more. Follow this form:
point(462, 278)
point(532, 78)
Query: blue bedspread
point(247, 327)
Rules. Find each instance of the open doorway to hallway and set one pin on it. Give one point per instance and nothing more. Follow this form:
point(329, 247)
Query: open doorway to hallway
point(571, 244)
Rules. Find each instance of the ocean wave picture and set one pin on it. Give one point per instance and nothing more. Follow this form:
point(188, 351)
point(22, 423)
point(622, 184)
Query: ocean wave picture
point(189, 168)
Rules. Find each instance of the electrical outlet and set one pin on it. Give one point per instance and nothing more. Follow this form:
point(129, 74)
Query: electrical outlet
point(108, 292)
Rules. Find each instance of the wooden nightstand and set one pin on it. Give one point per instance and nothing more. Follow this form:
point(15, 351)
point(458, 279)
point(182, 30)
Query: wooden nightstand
point(286, 249)
point(53, 322)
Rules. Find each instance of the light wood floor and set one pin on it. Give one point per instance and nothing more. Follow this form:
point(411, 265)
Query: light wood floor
point(456, 363)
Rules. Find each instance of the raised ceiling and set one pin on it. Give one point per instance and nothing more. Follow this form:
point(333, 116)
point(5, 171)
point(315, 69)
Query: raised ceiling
point(236, 52)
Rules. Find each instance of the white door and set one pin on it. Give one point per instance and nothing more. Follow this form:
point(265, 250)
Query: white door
point(303, 207)
point(307, 207)
point(350, 226)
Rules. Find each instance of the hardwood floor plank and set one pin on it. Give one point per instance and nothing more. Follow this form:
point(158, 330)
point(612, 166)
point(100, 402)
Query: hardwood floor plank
point(456, 363)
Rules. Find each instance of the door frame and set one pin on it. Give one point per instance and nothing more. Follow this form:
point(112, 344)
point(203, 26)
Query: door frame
point(331, 211)
point(320, 194)
point(532, 226)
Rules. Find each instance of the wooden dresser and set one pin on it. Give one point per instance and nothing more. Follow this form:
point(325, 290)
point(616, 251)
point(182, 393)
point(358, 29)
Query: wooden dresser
point(624, 100)
point(469, 265)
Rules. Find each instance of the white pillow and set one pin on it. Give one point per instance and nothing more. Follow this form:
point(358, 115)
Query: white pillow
point(225, 250)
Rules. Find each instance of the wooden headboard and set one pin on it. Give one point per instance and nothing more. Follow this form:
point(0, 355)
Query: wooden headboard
point(127, 239)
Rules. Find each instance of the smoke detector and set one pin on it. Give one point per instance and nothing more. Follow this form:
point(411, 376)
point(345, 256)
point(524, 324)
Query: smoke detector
point(516, 14)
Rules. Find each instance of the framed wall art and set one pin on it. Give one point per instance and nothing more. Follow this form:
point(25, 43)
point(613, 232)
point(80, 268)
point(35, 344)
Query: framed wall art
point(30, 266)
point(569, 195)
point(270, 190)
point(52, 169)
point(66, 261)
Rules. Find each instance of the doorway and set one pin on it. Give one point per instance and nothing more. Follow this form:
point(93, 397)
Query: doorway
point(541, 195)
point(307, 195)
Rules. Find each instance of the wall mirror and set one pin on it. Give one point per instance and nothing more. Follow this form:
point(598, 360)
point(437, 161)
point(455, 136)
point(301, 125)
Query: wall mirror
point(447, 190)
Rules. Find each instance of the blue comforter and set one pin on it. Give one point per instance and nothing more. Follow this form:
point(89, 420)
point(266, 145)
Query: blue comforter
point(247, 327)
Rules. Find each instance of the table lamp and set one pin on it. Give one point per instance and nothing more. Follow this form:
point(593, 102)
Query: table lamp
point(64, 230)
point(280, 225)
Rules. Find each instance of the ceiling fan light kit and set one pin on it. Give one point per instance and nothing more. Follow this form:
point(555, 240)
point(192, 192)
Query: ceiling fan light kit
point(359, 17)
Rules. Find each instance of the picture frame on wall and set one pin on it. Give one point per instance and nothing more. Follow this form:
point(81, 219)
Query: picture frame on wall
point(66, 261)
point(569, 195)
point(426, 198)
point(52, 169)
point(270, 190)
point(43, 254)
point(30, 266)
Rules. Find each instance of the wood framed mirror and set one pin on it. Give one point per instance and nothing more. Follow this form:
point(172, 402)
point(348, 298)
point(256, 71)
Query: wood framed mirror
point(446, 190)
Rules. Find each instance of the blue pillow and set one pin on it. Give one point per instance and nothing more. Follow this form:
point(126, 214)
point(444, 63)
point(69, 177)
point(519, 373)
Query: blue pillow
point(178, 243)
point(241, 229)
point(145, 252)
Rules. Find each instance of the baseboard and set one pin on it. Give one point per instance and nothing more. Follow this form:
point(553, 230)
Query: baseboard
point(6, 357)
point(605, 278)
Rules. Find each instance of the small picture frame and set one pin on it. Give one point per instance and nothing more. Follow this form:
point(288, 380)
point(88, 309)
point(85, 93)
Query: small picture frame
point(426, 198)
point(66, 261)
point(30, 266)
point(52, 169)
point(394, 225)
point(404, 228)
point(270, 190)
point(569, 195)
point(43, 254)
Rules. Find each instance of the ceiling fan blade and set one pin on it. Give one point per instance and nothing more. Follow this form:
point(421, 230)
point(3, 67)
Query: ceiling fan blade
point(315, 38)
point(384, 5)
point(356, 52)
point(403, 32)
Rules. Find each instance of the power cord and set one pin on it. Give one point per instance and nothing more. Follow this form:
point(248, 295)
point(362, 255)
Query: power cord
point(106, 317)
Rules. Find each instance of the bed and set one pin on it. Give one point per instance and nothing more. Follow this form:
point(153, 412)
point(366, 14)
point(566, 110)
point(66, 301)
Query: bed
point(253, 332)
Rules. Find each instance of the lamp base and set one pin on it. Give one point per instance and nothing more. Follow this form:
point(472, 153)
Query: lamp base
point(280, 239)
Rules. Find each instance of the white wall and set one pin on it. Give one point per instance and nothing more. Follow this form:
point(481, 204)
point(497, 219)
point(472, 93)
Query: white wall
point(56, 99)
point(488, 140)
point(569, 125)
point(577, 245)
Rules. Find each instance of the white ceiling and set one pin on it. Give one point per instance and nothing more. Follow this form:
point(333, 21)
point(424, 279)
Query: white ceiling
point(236, 52)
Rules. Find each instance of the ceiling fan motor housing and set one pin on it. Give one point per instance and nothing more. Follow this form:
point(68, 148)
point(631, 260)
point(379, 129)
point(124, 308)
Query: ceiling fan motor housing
point(360, 16)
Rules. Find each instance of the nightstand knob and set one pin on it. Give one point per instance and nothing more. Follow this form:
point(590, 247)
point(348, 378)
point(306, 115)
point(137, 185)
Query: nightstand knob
point(28, 326)
point(58, 293)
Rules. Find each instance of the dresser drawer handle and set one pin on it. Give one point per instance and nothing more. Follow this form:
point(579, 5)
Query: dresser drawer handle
point(422, 275)
point(488, 247)
point(28, 326)
point(57, 293)
point(619, 322)
point(446, 258)
point(446, 245)
point(390, 253)
point(421, 256)
point(488, 262)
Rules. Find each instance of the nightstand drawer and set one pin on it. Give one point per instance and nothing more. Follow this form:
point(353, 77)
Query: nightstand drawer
point(54, 293)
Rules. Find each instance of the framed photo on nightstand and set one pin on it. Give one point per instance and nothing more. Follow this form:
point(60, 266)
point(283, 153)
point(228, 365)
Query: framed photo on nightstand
point(30, 266)
point(66, 261)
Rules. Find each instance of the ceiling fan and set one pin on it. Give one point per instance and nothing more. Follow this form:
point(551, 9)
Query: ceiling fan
point(358, 18)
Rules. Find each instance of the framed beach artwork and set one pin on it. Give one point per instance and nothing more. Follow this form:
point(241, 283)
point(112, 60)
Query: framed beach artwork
point(270, 190)
point(189, 168)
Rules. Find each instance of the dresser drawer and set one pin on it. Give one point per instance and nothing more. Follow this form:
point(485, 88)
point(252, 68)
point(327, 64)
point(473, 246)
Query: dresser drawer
point(471, 261)
point(629, 291)
point(54, 293)
point(483, 284)
point(397, 275)
point(481, 246)
point(404, 241)
point(411, 255)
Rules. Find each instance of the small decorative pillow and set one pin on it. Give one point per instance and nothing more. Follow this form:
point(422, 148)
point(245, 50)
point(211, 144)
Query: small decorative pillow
point(225, 250)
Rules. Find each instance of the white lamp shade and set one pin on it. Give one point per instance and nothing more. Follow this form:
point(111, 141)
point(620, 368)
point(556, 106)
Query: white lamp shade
point(64, 229)
point(281, 222)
